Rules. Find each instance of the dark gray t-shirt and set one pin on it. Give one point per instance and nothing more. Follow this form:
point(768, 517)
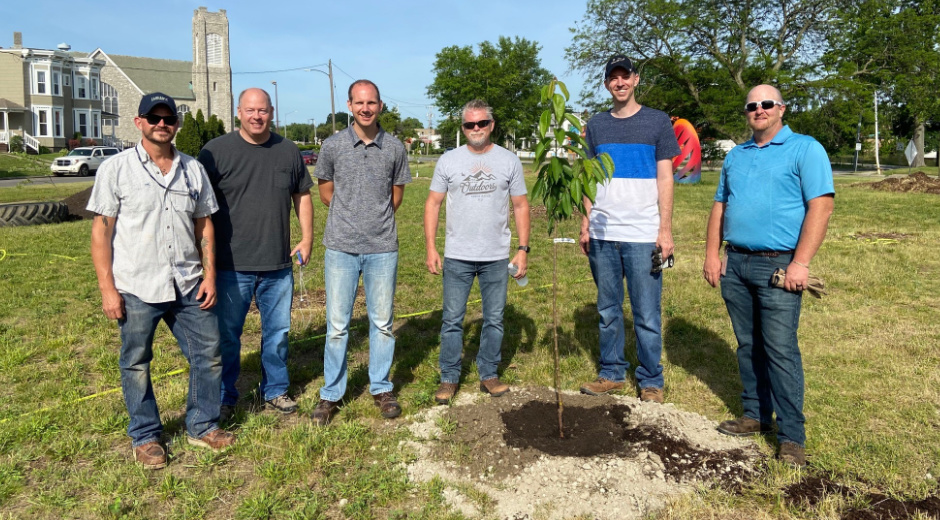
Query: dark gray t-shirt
point(253, 185)
point(478, 188)
point(362, 219)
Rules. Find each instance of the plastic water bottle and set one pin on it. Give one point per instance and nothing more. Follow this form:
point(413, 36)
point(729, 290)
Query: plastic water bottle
point(521, 281)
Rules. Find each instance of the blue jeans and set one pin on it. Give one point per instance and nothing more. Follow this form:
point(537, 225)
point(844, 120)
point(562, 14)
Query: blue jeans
point(198, 337)
point(610, 263)
point(765, 320)
point(458, 279)
point(341, 273)
point(273, 292)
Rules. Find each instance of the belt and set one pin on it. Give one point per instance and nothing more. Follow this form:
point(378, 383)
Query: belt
point(770, 254)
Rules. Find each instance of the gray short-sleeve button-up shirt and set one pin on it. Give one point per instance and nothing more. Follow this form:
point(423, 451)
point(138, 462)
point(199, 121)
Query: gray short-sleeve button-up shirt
point(154, 245)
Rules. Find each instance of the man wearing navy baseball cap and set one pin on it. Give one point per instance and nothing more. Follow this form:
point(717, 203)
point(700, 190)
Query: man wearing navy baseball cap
point(630, 222)
point(153, 248)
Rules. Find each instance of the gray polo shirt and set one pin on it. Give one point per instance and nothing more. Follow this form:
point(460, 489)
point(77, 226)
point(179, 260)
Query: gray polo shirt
point(154, 244)
point(361, 218)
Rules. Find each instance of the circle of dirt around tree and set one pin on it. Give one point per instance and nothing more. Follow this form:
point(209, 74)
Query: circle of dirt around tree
point(77, 203)
point(620, 457)
point(917, 182)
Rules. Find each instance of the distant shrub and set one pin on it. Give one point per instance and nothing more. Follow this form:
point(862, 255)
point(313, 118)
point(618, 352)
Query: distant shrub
point(44, 150)
point(16, 143)
point(74, 143)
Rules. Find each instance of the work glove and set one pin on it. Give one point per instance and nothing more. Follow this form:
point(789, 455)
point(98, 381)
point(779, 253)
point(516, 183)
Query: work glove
point(814, 284)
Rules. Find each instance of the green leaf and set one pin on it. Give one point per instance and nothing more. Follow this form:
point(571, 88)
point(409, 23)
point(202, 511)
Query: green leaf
point(566, 207)
point(574, 121)
point(576, 138)
point(564, 90)
point(556, 169)
point(575, 189)
point(539, 152)
point(558, 103)
point(578, 150)
point(590, 190)
point(544, 121)
point(560, 136)
point(546, 92)
point(608, 165)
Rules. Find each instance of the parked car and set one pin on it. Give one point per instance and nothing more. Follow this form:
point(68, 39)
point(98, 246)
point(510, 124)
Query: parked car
point(310, 157)
point(83, 161)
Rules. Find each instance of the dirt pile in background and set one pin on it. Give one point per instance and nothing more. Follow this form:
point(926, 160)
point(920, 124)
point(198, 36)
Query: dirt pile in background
point(917, 182)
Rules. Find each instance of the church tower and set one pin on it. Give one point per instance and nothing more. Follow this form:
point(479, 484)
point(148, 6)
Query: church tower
point(212, 69)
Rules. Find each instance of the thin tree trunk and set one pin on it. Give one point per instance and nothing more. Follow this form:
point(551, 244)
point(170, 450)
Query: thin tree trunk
point(561, 404)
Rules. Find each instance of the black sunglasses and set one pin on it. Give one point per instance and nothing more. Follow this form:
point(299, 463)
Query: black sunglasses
point(483, 123)
point(766, 104)
point(154, 119)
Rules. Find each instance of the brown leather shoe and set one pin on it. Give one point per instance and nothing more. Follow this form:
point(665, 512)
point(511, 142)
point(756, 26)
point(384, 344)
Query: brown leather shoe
point(151, 455)
point(216, 440)
point(445, 393)
point(600, 386)
point(387, 404)
point(792, 453)
point(743, 427)
point(322, 414)
point(494, 387)
point(651, 394)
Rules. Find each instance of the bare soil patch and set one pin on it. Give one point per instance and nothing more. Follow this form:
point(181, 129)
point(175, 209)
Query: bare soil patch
point(77, 203)
point(917, 182)
point(812, 490)
point(879, 236)
point(620, 458)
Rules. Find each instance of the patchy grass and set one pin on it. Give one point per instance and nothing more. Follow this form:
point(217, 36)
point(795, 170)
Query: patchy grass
point(872, 377)
point(23, 165)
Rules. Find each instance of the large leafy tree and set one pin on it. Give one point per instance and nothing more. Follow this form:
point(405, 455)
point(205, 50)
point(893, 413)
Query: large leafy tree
point(704, 56)
point(892, 46)
point(507, 75)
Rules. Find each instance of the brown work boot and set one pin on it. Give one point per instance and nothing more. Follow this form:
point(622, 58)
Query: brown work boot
point(323, 412)
point(600, 386)
point(743, 427)
point(651, 394)
point(387, 404)
point(151, 455)
point(281, 403)
point(216, 440)
point(792, 453)
point(445, 393)
point(494, 387)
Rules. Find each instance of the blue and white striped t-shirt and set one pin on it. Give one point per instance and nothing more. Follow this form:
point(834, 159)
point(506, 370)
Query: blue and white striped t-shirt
point(626, 208)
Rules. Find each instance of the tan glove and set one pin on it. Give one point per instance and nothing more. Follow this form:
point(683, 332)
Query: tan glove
point(814, 284)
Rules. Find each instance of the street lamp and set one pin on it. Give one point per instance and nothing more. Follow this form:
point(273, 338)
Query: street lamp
point(277, 113)
point(313, 124)
point(332, 102)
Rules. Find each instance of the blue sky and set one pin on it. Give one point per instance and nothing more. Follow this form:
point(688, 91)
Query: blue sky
point(391, 43)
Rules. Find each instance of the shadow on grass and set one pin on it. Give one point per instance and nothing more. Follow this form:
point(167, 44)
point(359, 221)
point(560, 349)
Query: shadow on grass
point(706, 356)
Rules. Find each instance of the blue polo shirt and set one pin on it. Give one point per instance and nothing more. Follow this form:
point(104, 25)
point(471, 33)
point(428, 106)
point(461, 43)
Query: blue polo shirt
point(766, 190)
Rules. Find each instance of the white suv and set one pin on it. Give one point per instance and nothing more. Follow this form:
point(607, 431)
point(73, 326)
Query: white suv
point(83, 161)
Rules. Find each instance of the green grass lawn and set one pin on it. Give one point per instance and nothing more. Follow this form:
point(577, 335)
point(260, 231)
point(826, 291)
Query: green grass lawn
point(870, 354)
point(22, 165)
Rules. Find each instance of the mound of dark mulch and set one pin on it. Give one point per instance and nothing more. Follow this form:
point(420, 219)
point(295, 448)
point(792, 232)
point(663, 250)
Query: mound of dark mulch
point(811, 490)
point(77, 203)
point(917, 182)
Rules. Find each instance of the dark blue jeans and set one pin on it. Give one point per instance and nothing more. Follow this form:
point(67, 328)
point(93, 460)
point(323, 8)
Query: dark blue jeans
point(198, 337)
point(611, 262)
point(273, 292)
point(458, 279)
point(765, 321)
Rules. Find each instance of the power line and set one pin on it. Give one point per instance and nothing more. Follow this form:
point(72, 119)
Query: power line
point(280, 70)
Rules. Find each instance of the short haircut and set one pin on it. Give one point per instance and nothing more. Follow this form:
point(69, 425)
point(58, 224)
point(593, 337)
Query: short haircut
point(266, 95)
point(477, 104)
point(364, 82)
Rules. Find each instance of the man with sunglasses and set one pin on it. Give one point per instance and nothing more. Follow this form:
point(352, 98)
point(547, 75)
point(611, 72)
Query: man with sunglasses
point(631, 218)
point(772, 207)
point(361, 175)
point(153, 248)
point(479, 180)
point(257, 176)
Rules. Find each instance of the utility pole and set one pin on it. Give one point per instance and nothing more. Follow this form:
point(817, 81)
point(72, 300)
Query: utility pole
point(858, 141)
point(877, 144)
point(332, 102)
point(277, 113)
point(313, 123)
point(430, 131)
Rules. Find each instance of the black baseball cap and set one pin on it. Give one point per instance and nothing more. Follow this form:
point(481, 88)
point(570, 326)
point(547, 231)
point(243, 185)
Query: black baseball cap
point(149, 101)
point(618, 62)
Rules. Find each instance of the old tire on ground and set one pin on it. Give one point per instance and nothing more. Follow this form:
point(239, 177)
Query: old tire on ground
point(30, 213)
